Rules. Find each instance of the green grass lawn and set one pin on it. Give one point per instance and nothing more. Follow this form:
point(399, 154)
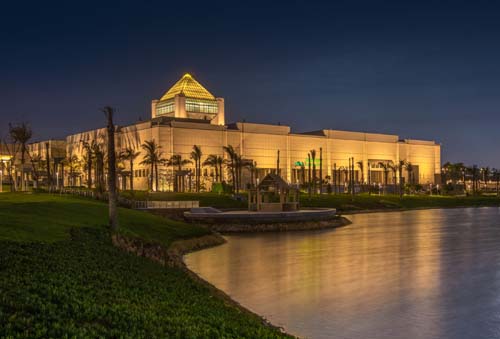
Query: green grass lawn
point(344, 203)
point(47, 218)
point(60, 276)
point(205, 199)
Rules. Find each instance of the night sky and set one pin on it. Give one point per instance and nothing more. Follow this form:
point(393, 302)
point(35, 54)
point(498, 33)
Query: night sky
point(420, 70)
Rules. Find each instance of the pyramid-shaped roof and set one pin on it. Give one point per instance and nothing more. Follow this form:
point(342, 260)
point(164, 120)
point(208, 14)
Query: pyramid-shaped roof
point(189, 87)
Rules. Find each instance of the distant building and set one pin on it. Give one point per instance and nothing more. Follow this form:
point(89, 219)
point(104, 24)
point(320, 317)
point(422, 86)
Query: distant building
point(188, 114)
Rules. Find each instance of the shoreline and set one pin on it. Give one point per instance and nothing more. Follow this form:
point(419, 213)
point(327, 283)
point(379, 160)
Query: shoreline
point(174, 255)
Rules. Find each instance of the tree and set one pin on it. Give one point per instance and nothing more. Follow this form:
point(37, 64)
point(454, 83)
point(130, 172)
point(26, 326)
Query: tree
point(320, 170)
point(47, 163)
point(98, 157)
point(176, 161)
point(309, 174)
point(21, 134)
point(385, 167)
point(394, 168)
point(496, 177)
point(130, 155)
point(231, 165)
point(152, 158)
point(215, 161)
point(313, 159)
point(400, 166)
point(252, 167)
point(474, 171)
point(196, 156)
point(88, 159)
point(112, 194)
point(361, 167)
point(409, 170)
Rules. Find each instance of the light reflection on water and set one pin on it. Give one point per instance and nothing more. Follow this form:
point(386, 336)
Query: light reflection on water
point(415, 274)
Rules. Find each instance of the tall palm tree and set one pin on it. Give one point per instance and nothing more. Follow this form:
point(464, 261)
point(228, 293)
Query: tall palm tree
point(386, 168)
point(231, 164)
point(474, 171)
point(98, 153)
point(196, 156)
point(309, 174)
point(21, 134)
point(130, 155)
point(112, 193)
point(177, 163)
point(361, 167)
point(152, 158)
point(401, 165)
point(321, 170)
point(313, 159)
point(252, 167)
point(409, 170)
point(88, 157)
point(215, 161)
point(496, 177)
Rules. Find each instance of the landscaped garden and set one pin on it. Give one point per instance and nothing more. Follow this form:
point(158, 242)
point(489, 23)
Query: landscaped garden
point(60, 276)
point(343, 202)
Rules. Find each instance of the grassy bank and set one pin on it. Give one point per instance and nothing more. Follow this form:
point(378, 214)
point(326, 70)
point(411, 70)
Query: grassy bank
point(345, 203)
point(61, 276)
point(342, 202)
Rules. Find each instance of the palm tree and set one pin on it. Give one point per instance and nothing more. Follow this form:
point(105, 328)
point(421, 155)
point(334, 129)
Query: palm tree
point(230, 163)
point(474, 171)
point(196, 156)
point(400, 166)
point(394, 168)
point(496, 176)
point(88, 162)
point(98, 153)
point(313, 159)
point(309, 174)
point(113, 196)
point(361, 167)
point(177, 162)
point(21, 134)
point(215, 161)
point(386, 168)
point(252, 167)
point(409, 170)
point(130, 155)
point(320, 170)
point(152, 158)
point(36, 164)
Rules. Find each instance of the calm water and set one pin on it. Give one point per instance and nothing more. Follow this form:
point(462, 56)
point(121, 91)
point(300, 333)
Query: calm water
point(417, 274)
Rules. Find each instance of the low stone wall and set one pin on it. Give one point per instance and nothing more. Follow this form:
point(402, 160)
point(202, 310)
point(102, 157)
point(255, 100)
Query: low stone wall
point(256, 218)
point(280, 227)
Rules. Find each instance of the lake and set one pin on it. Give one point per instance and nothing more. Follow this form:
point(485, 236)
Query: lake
point(413, 274)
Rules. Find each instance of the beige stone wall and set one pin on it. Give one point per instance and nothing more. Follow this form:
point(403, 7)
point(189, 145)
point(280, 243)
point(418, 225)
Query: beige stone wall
point(261, 142)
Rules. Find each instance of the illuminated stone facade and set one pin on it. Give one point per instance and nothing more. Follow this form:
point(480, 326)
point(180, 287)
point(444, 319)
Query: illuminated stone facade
point(189, 115)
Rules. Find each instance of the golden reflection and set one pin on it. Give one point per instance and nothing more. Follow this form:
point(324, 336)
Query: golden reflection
point(385, 273)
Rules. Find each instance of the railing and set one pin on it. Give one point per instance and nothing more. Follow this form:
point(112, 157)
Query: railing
point(151, 204)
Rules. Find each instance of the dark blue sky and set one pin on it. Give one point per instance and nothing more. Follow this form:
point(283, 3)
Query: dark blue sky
point(420, 70)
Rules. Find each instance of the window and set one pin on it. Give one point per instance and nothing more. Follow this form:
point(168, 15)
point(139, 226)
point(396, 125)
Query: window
point(201, 106)
point(165, 107)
